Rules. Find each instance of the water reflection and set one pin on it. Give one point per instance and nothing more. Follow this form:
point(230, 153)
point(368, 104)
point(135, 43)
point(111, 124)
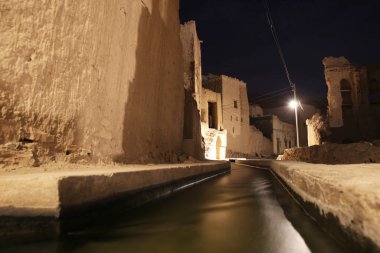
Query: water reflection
point(234, 213)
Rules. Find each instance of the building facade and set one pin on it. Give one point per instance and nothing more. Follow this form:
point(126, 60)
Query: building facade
point(243, 140)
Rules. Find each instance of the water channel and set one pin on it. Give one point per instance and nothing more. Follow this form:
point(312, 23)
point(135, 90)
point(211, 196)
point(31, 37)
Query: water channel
point(245, 211)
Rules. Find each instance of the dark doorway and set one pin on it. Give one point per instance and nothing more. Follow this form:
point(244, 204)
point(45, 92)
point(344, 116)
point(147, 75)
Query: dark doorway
point(212, 115)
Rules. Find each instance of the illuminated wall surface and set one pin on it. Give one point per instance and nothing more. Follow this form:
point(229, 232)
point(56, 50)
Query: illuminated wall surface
point(102, 75)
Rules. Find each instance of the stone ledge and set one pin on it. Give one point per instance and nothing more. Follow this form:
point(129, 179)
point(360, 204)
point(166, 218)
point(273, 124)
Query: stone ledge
point(45, 194)
point(346, 194)
point(28, 201)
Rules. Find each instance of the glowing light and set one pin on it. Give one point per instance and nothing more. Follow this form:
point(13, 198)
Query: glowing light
point(293, 104)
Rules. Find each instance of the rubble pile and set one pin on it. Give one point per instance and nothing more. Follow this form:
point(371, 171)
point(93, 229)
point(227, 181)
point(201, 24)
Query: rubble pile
point(364, 152)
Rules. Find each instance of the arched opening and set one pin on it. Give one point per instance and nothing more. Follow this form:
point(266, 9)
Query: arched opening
point(374, 92)
point(218, 148)
point(346, 93)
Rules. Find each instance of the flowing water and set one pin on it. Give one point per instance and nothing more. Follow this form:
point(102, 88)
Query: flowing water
point(245, 211)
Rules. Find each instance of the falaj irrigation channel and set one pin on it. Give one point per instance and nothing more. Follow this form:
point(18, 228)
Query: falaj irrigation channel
point(247, 210)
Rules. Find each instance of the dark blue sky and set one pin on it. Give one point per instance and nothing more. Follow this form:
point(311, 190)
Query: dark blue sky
point(238, 42)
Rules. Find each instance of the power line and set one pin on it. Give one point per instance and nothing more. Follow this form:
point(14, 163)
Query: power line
point(272, 97)
point(272, 93)
point(277, 42)
point(279, 49)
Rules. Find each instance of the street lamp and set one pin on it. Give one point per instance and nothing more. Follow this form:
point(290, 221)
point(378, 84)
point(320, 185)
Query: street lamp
point(294, 105)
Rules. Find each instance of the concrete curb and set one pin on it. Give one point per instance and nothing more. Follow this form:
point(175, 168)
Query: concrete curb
point(344, 199)
point(38, 203)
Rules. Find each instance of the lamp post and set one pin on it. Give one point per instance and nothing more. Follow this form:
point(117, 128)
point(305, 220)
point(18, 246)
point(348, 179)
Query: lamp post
point(294, 104)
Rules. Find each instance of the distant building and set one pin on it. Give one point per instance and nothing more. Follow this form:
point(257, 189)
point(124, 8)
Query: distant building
point(286, 114)
point(283, 135)
point(353, 100)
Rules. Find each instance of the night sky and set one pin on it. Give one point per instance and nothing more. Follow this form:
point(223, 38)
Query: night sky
point(237, 40)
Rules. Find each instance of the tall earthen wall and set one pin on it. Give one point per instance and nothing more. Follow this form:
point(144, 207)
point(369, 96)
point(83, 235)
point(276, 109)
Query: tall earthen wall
point(192, 63)
point(103, 75)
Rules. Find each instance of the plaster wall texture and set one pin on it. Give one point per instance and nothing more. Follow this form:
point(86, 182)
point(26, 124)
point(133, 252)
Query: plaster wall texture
point(354, 117)
point(102, 75)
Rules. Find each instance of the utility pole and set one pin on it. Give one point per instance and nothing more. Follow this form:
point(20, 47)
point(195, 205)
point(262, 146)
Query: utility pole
point(296, 113)
point(279, 49)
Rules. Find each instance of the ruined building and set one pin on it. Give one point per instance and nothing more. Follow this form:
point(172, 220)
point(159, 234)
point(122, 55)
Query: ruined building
point(243, 140)
point(94, 79)
point(353, 100)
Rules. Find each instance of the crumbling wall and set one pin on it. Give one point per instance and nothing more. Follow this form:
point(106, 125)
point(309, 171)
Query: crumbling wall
point(192, 59)
point(350, 113)
point(336, 70)
point(317, 130)
point(104, 76)
point(191, 53)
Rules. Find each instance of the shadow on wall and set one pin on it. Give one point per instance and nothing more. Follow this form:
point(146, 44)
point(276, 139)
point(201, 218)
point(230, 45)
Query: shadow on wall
point(150, 112)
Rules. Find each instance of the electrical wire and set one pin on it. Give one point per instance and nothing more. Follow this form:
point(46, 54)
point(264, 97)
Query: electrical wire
point(272, 97)
point(272, 92)
point(277, 42)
